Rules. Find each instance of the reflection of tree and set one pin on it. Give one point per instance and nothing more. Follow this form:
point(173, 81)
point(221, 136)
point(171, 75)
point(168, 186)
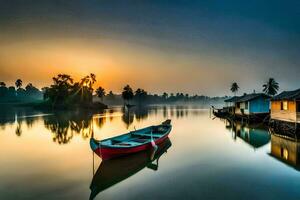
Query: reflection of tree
point(127, 117)
point(171, 111)
point(100, 121)
point(11, 115)
point(141, 112)
point(65, 125)
point(111, 111)
point(19, 129)
point(30, 120)
point(165, 112)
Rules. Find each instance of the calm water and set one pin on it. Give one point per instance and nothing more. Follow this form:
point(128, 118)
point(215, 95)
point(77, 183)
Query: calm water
point(47, 156)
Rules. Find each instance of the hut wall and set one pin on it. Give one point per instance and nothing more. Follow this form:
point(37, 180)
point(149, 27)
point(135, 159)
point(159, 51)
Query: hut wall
point(259, 105)
point(289, 115)
point(298, 111)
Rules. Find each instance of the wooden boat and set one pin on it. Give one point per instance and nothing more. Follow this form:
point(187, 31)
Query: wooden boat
point(111, 172)
point(131, 142)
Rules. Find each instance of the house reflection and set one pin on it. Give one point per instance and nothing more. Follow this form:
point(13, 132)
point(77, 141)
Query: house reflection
point(113, 171)
point(254, 135)
point(286, 150)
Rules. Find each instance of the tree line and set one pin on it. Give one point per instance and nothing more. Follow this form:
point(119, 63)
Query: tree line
point(16, 93)
point(64, 92)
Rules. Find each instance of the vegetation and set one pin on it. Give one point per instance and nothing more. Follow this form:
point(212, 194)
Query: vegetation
point(100, 92)
point(10, 94)
point(18, 83)
point(64, 93)
point(234, 88)
point(271, 87)
point(140, 95)
point(127, 94)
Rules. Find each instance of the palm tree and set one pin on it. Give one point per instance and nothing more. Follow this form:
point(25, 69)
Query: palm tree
point(271, 87)
point(88, 81)
point(100, 92)
point(18, 83)
point(127, 93)
point(234, 88)
point(63, 80)
point(92, 79)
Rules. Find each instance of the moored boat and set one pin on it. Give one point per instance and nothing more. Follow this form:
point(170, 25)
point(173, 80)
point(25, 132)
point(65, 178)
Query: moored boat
point(132, 142)
point(114, 171)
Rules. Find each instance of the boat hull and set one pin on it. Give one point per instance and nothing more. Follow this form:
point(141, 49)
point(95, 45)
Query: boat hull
point(108, 153)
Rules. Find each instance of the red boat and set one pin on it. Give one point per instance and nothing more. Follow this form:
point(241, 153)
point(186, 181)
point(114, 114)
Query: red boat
point(131, 142)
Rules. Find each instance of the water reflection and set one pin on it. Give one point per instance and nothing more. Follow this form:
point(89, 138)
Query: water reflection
point(286, 150)
point(113, 171)
point(209, 140)
point(255, 135)
point(65, 125)
point(11, 115)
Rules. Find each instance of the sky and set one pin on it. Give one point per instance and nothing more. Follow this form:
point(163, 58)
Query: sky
point(195, 47)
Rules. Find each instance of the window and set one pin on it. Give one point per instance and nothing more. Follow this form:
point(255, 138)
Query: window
point(284, 105)
point(298, 106)
point(246, 105)
point(284, 153)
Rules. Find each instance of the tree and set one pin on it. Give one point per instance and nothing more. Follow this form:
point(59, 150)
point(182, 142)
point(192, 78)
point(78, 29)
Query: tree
point(11, 92)
point(60, 91)
point(86, 86)
point(100, 92)
point(32, 91)
point(127, 93)
point(2, 84)
point(18, 83)
point(63, 80)
point(140, 95)
point(271, 87)
point(234, 88)
point(164, 96)
point(3, 90)
point(88, 81)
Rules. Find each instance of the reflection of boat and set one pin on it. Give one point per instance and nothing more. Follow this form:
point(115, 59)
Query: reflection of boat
point(131, 142)
point(255, 136)
point(221, 113)
point(286, 150)
point(113, 171)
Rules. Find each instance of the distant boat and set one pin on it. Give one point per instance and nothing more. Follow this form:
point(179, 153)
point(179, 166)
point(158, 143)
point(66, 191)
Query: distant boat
point(131, 142)
point(111, 172)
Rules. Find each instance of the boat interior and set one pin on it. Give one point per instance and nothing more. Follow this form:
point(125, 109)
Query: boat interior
point(138, 137)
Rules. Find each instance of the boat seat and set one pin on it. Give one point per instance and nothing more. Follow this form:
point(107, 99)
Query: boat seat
point(159, 130)
point(116, 141)
point(129, 143)
point(149, 135)
point(140, 140)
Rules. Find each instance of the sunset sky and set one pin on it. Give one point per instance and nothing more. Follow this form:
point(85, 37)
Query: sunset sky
point(174, 46)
